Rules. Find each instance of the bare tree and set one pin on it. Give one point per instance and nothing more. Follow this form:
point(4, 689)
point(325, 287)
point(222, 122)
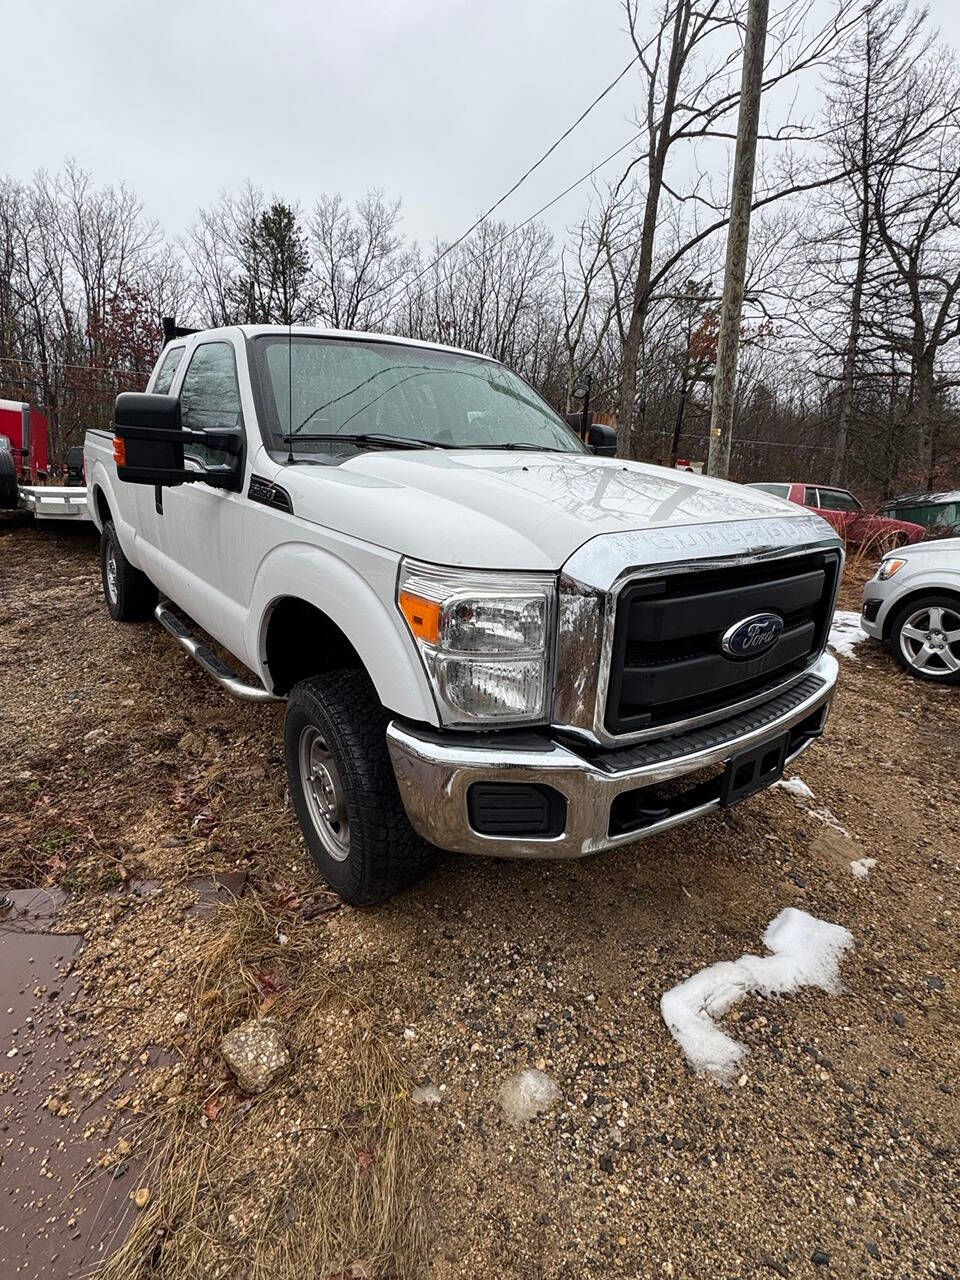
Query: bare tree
point(690, 94)
point(494, 292)
point(870, 78)
point(589, 295)
point(103, 238)
point(359, 260)
point(916, 203)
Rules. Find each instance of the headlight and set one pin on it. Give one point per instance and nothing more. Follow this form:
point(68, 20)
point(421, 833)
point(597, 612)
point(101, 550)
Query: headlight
point(889, 568)
point(485, 639)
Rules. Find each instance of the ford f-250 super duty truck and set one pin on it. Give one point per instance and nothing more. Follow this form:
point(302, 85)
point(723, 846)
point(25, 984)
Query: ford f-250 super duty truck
point(490, 638)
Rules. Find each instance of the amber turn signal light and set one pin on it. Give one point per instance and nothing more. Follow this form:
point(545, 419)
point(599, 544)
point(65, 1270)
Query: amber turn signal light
point(119, 451)
point(423, 616)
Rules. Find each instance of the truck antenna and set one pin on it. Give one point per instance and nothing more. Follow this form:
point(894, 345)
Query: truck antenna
point(289, 393)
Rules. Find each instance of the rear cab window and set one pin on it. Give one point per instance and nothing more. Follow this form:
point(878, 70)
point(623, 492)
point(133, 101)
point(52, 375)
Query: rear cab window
point(168, 368)
point(777, 490)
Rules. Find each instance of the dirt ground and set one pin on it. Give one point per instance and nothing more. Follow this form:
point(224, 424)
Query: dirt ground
point(128, 780)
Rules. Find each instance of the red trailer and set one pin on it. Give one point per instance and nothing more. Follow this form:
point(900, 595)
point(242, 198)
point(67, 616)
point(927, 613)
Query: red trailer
point(24, 461)
point(26, 430)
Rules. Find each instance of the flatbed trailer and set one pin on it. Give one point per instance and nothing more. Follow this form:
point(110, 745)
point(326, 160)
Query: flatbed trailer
point(55, 502)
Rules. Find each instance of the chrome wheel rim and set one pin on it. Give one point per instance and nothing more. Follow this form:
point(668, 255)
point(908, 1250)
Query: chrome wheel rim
point(323, 792)
point(111, 567)
point(930, 640)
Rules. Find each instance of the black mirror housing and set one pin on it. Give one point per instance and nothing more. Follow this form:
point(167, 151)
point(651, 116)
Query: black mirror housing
point(149, 440)
point(147, 409)
point(602, 440)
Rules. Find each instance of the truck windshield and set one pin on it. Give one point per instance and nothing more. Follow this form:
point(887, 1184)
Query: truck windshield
point(354, 388)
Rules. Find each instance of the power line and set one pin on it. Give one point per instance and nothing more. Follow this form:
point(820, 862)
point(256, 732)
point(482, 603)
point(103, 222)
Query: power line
point(86, 368)
point(520, 225)
point(566, 191)
point(549, 151)
point(519, 182)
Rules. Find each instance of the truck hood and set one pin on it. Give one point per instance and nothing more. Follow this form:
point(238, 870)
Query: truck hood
point(494, 509)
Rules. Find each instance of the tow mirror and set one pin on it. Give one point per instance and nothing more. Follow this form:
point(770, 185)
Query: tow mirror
point(602, 440)
point(149, 443)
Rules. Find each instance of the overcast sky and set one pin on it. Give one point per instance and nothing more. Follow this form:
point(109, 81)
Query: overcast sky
point(441, 102)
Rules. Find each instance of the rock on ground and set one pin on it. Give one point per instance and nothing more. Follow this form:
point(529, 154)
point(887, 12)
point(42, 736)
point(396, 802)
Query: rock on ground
point(255, 1053)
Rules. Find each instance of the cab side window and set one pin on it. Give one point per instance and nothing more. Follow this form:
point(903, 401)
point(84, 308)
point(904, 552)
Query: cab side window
point(168, 368)
point(811, 498)
point(210, 397)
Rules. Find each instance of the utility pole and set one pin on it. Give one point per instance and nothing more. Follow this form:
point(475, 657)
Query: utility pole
point(738, 239)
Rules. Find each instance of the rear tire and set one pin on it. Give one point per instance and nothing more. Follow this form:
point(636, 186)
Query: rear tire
point(129, 594)
point(9, 490)
point(345, 792)
point(925, 638)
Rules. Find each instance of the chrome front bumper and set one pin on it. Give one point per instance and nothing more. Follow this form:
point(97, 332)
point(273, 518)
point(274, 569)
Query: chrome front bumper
point(435, 771)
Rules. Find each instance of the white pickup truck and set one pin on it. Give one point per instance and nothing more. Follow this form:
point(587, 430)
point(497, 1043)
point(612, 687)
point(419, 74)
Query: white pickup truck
point(491, 637)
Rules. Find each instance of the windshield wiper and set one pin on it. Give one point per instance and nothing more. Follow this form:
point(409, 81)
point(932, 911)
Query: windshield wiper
point(366, 437)
point(513, 444)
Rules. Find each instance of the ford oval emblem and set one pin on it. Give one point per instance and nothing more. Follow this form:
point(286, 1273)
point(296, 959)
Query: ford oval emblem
point(752, 636)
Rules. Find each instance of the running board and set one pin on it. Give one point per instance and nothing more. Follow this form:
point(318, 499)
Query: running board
point(207, 659)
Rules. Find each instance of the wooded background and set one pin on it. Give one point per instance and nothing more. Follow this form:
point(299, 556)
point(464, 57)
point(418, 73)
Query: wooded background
point(850, 349)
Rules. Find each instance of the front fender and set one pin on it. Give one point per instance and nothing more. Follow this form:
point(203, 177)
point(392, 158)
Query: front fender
point(360, 598)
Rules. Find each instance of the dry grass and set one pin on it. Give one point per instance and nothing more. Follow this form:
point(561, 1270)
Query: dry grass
point(871, 550)
point(326, 1174)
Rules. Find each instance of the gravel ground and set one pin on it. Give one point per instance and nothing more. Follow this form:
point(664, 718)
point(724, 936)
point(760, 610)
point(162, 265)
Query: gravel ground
point(125, 774)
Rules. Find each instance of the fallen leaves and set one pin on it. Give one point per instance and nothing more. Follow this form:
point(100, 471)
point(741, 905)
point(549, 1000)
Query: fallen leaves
point(212, 1107)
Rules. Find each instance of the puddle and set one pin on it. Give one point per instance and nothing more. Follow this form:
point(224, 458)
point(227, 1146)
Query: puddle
point(59, 1213)
point(215, 891)
point(30, 909)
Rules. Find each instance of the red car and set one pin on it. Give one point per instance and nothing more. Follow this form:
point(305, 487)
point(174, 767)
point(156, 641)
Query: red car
point(847, 514)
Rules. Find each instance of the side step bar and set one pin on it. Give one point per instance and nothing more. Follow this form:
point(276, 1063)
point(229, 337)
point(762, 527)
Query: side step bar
point(213, 666)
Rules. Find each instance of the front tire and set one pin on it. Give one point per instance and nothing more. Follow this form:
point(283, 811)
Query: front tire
point(129, 594)
point(345, 792)
point(925, 638)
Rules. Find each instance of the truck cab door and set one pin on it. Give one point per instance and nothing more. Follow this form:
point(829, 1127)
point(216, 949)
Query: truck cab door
point(200, 527)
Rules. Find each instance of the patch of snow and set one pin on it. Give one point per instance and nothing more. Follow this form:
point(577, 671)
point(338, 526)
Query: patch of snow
point(806, 952)
point(526, 1094)
point(426, 1095)
point(799, 789)
point(845, 633)
point(825, 815)
point(861, 867)
point(796, 787)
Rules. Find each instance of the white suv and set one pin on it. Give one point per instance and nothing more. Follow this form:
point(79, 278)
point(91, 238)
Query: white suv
point(913, 602)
